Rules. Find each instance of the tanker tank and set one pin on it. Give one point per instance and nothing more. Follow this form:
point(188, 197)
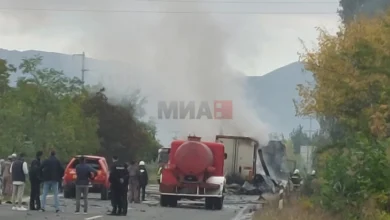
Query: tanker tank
point(193, 158)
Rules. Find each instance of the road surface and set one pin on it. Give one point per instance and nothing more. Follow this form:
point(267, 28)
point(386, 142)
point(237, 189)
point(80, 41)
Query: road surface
point(150, 209)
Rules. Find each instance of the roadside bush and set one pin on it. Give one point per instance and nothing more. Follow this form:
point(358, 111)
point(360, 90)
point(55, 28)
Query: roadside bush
point(354, 175)
point(305, 209)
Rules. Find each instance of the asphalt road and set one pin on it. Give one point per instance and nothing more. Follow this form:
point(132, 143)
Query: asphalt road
point(150, 209)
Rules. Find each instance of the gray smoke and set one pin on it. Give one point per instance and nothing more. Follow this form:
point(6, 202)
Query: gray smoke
point(170, 57)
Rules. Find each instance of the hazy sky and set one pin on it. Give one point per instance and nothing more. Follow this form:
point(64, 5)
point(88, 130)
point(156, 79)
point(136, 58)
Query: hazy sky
point(261, 36)
point(181, 50)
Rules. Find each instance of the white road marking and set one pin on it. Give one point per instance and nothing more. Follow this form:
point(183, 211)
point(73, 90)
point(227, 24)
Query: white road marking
point(94, 217)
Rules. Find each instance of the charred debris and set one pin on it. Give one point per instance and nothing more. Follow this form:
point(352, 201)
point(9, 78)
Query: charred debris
point(272, 172)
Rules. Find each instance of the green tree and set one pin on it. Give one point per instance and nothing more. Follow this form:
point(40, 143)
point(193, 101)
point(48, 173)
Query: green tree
point(120, 131)
point(135, 103)
point(351, 97)
point(5, 72)
point(299, 138)
point(41, 113)
point(48, 110)
point(350, 9)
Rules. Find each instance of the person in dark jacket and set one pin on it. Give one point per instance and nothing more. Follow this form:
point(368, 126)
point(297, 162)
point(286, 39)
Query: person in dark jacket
point(35, 180)
point(84, 175)
point(143, 179)
point(52, 172)
point(124, 191)
point(117, 175)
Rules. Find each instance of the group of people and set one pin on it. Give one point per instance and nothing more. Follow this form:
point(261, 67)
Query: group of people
point(128, 183)
point(14, 173)
point(296, 178)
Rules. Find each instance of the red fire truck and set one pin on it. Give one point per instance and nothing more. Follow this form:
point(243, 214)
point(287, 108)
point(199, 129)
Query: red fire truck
point(195, 170)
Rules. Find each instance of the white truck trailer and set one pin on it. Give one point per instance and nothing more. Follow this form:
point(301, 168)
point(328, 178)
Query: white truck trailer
point(241, 156)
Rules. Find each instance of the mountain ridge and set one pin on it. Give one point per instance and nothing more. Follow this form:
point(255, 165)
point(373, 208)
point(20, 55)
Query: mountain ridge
point(271, 94)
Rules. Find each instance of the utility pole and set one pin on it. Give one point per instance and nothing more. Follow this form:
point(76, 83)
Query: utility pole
point(83, 70)
point(309, 149)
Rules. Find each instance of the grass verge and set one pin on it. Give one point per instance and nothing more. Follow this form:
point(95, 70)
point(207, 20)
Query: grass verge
point(298, 210)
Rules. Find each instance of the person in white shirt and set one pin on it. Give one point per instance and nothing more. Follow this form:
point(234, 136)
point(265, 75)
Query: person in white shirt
point(19, 171)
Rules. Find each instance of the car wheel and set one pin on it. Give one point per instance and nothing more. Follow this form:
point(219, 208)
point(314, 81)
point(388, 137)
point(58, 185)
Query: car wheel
point(104, 194)
point(69, 192)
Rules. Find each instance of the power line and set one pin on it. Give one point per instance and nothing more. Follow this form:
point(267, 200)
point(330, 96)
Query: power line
point(162, 12)
point(239, 2)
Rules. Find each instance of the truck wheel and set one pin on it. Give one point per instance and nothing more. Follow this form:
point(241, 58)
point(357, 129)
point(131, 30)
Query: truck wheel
point(173, 201)
point(218, 203)
point(69, 192)
point(164, 201)
point(104, 193)
point(209, 203)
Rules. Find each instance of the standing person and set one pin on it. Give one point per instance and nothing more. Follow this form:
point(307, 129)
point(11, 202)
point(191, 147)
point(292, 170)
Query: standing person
point(133, 183)
point(124, 191)
point(84, 172)
point(7, 179)
point(35, 180)
point(143, 179)
point(52, 172)
point(116, 181)
point(1, 180)
point(19, 171)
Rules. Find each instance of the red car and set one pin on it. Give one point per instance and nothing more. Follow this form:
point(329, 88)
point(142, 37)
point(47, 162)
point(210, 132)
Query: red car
point(100, 183)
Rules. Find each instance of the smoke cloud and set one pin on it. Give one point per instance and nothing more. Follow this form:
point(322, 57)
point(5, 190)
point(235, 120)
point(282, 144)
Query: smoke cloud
point(170, 57)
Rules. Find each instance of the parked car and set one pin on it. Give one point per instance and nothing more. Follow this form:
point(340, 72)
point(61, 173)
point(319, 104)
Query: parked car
point(99, 184)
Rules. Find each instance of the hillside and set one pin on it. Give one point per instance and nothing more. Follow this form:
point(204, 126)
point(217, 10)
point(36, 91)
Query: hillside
point(272, 94)
point(275, 92)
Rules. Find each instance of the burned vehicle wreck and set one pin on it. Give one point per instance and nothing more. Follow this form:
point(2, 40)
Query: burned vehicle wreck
point(272, 170)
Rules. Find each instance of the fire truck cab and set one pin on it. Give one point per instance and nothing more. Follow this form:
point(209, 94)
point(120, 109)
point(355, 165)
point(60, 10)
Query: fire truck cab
point(162, 159)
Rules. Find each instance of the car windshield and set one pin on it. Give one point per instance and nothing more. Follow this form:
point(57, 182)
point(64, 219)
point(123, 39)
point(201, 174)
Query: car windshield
point(94, 163)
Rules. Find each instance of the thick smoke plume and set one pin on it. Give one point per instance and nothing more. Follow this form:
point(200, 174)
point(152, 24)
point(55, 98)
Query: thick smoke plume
point(171, 57)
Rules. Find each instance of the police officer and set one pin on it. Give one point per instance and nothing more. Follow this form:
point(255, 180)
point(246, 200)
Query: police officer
point(124, 191)
point(117, 175)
